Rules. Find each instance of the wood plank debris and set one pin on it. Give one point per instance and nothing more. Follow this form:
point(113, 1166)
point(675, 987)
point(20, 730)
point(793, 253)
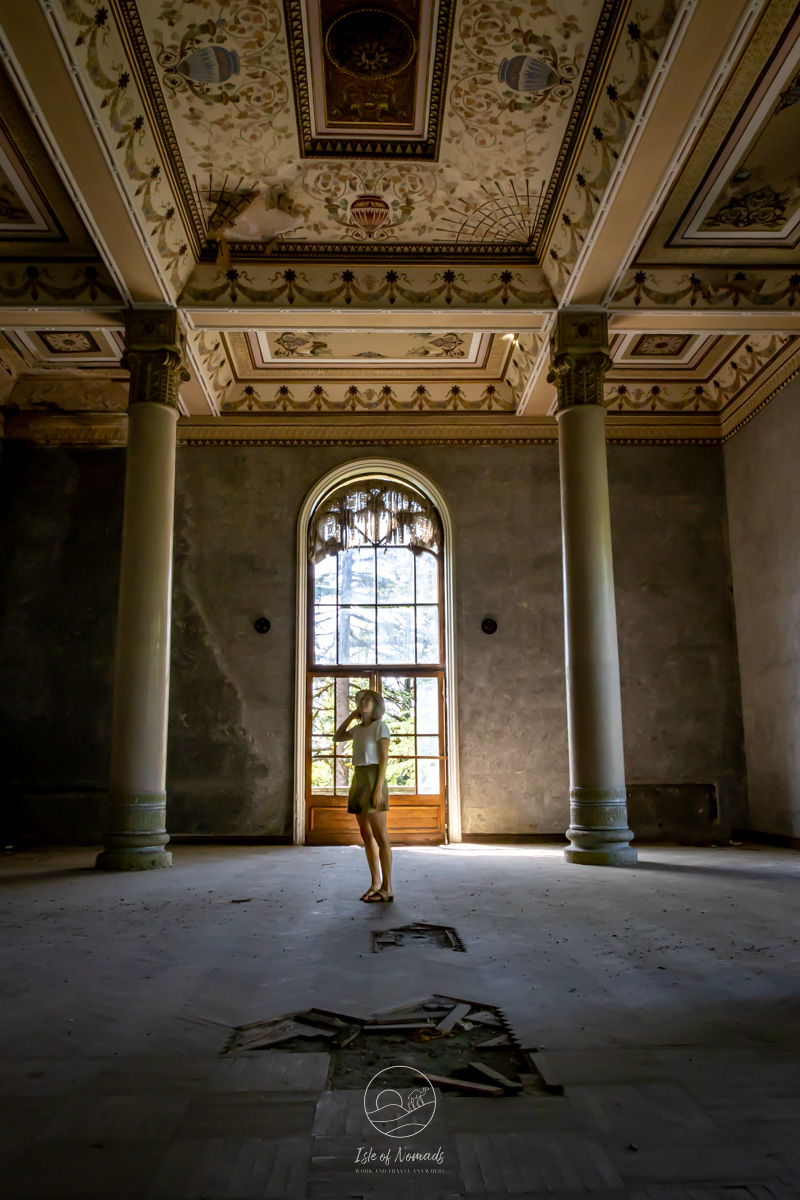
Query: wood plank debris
point(273, 1032)
point(347, 1038)
point(453, 1017)
point(485, 1018)
point(490, 1075)
point(316, 1016)
point(466, 1085)
point(494, 1043)
point(544, 1070)
point(401, 1027)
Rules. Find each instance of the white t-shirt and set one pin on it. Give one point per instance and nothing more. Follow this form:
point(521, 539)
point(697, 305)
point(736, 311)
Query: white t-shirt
point(365, 742)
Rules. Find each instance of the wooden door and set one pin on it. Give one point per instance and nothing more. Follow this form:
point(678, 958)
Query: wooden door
point(416, 773)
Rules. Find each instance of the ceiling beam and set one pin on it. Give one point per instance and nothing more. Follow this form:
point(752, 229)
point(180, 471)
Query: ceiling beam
point(683, 92)
point(31, 49)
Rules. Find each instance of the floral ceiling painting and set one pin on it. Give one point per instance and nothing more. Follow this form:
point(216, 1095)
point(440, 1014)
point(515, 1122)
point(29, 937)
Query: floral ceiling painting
point(219, 77)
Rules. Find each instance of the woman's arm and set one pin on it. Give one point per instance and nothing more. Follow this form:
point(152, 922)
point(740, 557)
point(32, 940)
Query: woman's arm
point(383, 763)
point(342, 733)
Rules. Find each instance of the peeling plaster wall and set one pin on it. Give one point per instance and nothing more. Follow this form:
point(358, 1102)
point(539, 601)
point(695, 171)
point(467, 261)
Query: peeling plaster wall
point(681, 702)
point(233, 690)
point(230, 763)
point(60, 531)
point(761, 467)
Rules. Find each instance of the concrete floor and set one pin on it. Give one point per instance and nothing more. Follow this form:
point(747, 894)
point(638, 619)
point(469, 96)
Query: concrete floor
point(666, 996)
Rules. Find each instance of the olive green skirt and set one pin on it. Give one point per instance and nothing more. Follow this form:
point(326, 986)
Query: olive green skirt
point(362, 788)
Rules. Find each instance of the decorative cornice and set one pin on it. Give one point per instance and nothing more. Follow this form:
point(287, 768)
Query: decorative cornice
point(379, 431)
point(266, 287)
point(98, 430)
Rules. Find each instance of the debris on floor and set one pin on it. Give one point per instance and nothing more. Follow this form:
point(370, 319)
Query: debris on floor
point(442, 936)
point(442, 1036)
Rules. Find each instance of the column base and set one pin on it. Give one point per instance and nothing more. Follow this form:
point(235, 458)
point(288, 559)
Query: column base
point(133, 860)
point(598, 828)
point(136, 833)
point(624, 856)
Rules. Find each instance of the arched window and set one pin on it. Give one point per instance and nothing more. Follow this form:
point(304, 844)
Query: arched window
point(376, 618)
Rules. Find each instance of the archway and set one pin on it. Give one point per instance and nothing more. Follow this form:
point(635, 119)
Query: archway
point(342, 646)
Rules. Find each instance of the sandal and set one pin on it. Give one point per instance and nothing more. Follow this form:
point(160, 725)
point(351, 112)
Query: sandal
point(379, 898)
point(369, 892)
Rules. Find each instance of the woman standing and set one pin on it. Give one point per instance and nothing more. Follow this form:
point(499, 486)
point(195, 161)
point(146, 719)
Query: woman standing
point(369, 795)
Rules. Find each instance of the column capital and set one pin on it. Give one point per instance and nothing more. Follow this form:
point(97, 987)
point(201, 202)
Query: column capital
point(579, 356)
point(154, 356)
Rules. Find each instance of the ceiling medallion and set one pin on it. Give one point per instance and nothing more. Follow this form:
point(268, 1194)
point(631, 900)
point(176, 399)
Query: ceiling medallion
point(504, 217)
point(370, 43)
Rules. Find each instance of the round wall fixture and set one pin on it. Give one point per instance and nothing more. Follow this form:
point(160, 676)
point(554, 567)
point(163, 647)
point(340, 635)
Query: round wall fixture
point(261, 625)
point(488, 625)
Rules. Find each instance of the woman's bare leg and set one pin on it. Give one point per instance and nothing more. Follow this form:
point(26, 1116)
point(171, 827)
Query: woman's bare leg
point(371, 851)
point(377, 822)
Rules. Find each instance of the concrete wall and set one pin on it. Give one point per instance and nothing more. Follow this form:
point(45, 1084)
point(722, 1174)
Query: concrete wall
point(60, 530)
point(761, 467)
point(232, 700)
point(232, 724)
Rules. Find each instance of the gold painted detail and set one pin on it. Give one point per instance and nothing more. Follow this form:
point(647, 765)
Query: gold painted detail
point(371, 59)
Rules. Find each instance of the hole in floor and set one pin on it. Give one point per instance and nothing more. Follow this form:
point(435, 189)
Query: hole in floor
point(462, 1047)
point(443, 936)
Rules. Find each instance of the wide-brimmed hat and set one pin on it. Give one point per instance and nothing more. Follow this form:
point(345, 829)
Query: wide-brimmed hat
point(380, 705)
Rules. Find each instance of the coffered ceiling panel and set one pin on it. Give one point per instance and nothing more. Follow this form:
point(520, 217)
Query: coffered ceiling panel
point(449, 125)
point(375, 209)
point(737, 198)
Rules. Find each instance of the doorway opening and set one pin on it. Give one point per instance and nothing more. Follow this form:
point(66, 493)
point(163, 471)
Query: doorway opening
point(378, 598)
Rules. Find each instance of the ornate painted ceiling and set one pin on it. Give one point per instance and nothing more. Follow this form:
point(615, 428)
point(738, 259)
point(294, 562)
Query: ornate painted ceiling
point(373, 211)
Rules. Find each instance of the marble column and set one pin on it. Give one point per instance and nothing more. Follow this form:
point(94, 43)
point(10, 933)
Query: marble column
point(598, 830)
point(136, 835)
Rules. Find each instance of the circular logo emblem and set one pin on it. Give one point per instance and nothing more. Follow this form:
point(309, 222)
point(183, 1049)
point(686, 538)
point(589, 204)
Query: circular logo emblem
point(399, 1101)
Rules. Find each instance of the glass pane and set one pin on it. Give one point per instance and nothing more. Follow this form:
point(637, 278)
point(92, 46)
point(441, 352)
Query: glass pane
point(321, 747)
point(428, 776)
point(427, 578)
point(398, 695)
point(400, 777)
point(325, 581)
point(427, 633)
point(402, 745)
point(427, 706)
point(322, 716)
point(357, 576)
point(322, 775)
point(344, 770)
point(395, 635)
point(325, 635)
point(395, 576)
point(427, 745)
point(345, 688)
point(356, 635)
